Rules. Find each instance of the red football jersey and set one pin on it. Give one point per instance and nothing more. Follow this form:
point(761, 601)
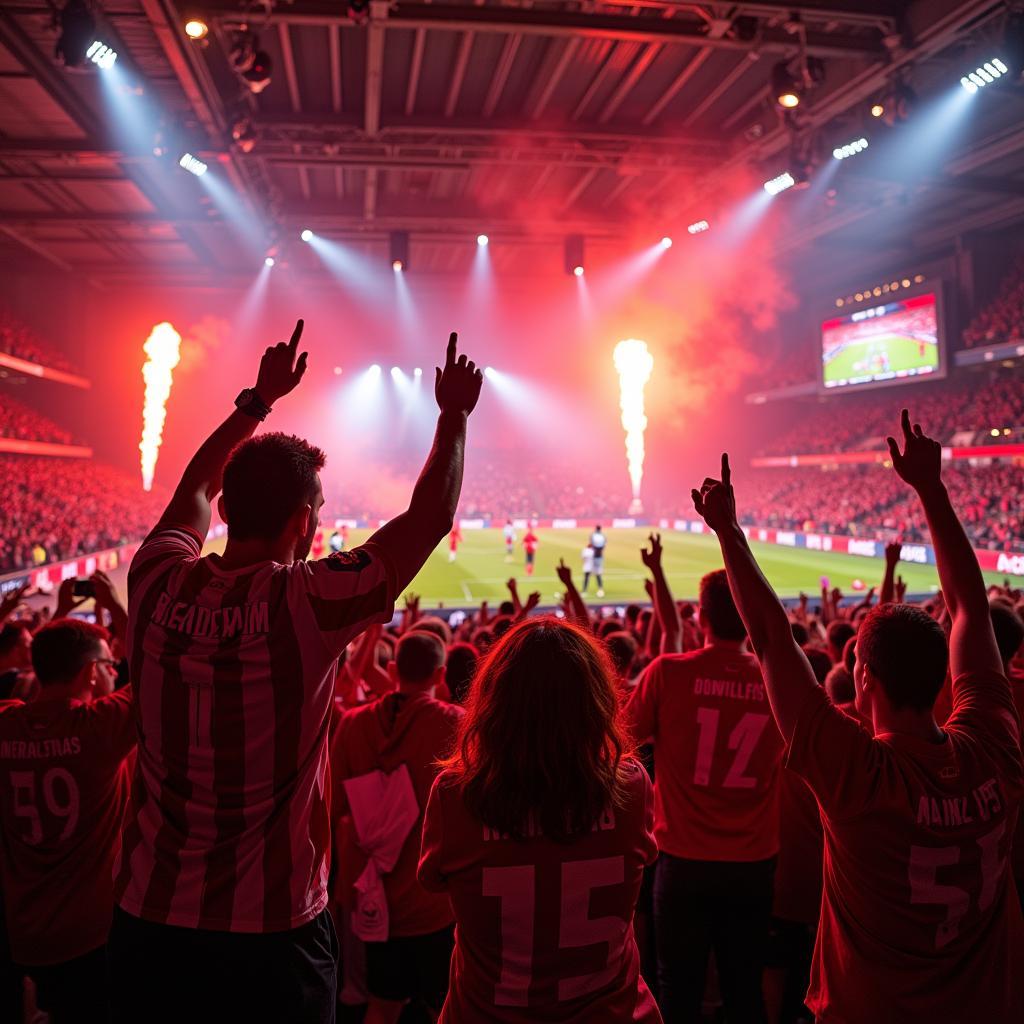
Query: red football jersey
point(228, 827)
point(395, 730)
point(544, 930)
point(718, 754)
point(530, 542)
point(64, 787)
point(919, 919)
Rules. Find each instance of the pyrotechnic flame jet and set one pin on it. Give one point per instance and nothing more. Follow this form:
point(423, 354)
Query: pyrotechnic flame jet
point(163, 351)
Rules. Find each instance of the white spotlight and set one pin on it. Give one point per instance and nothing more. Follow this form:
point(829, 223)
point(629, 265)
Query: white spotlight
point(417, 372)
point(698, 226)
point(984, 74)
point(307, 235)
point(488, 371)
point(396, 373)
point(193, 165)
point(397, 266)
point(269, 261)
point(850, 149)
point(482, 240)
point(375, 370)
point(666, 243)
point(773, 186)
point(103, 56)
point(578, 271)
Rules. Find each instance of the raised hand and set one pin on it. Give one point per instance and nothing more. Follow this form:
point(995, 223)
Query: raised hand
point(457, 386)
point(66, 601)
point(652, 558)
point(106, 596)
point(901, 590)
point(280, 372)
point(531, 602)
point(649, 587)
point(564, 573)
point(920, 463)
point(893, 550)
point(715, 502)
point(513, 587)
point(11, 601)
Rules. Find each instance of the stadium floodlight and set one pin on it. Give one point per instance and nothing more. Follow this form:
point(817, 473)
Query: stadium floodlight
point(196, 29)
point(877, 109)
point(398, 243)
point(698, 226)
point(773, 186)
point(396, 372)
point(488, 372)
point(666, 243)
point(578, 271)
point(102, 55)
point(482, 240)
point(573, 255)
point(983, 75)
point(269, 261)
point(786, 88)
point(306, 235)
point(397, 266)
point(375, 370)
point(850, 149)
point(193, 165)
point(417, 372)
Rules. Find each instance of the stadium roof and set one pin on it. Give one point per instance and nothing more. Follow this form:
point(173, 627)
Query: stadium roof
point(526, 120)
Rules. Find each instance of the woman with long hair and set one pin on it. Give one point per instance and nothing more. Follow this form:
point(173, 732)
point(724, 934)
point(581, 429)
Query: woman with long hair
point(539, 828)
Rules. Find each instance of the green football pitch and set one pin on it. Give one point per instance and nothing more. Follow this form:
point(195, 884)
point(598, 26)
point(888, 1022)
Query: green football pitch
point(904, 354)
point(481, 572)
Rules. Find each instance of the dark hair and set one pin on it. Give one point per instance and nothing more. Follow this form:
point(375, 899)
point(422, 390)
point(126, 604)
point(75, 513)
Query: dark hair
point(800, 633)
point(10, 634)
point(839, 634)
point(541, 746)
point(622, 646)
point(436, 625)
point(905, 648)
point(839, 686)
point(460, 669)
point(850, 654)
point(483, 638)
point(501, 625)
point(61, 649)
point(420, 654)
point(632, 613)
point(506, 608)
point(718, 608)
point(1009, 629)
point(821, 663)
point(267, 479)
point(609, 626)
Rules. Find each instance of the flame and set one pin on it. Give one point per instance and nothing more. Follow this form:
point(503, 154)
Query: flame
point(634, 364)
point(163, 351)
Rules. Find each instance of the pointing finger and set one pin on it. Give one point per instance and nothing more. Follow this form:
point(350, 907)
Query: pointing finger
point(453, 341)
point(726, 472)
point(894, 448)
point(293, 344)
point(905, 424)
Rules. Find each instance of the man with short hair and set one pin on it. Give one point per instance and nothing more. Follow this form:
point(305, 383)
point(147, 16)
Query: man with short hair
point(405, 730)
point(597, 543)
point(65, 786)
point(222, 881)
point(715, 797)
point(15, 657)
point(919, 918)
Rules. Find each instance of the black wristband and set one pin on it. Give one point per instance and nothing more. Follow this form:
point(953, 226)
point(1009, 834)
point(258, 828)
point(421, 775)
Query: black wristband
point(251, 404)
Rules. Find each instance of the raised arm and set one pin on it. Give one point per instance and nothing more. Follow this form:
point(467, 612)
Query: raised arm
point(200, 484)
point(410, 537)
point(575, 605)
point(972, 641)
point(664, 604)
point(892, 559)
point(787, 673)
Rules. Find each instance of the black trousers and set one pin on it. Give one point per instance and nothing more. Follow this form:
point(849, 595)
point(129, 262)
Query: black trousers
point(165, 974)
point(704, 905)
point(75, 991)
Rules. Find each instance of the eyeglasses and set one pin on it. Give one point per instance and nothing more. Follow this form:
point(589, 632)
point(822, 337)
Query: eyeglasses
point(109, 662)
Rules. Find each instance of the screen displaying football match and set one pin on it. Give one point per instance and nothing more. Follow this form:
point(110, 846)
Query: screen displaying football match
point(883, 344)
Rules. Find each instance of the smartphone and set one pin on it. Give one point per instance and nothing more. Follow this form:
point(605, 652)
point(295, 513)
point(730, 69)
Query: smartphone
point(84, 588)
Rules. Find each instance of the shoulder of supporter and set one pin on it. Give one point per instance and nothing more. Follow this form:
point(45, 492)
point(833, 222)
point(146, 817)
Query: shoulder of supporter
point(983, 706)
point(166, 541)
point(113, 718)
point(836, 756)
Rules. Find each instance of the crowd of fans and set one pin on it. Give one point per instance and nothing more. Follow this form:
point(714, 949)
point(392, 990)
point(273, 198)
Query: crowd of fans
point(56, 508)
point(257, 793)
point(1002, 320)
point(969, 407)
point(20, 421)
point(18, 339)
point(866, 501)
